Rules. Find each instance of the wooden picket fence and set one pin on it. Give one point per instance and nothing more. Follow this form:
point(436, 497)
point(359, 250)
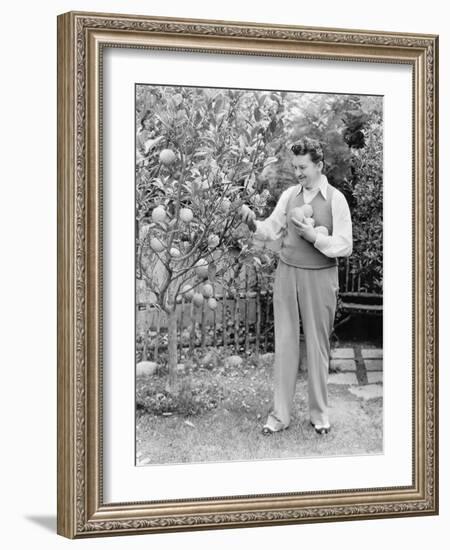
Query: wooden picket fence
point(243, 318)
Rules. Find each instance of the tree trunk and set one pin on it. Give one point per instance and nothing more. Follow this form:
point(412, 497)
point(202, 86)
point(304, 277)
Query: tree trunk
point(172, 385)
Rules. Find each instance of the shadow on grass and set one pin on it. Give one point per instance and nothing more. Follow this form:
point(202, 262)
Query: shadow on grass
point(231, 408)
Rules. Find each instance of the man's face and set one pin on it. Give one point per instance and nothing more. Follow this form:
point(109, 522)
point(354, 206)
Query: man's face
point(306, 171)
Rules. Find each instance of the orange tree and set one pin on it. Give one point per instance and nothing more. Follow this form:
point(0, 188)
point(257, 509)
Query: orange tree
point(198, 176)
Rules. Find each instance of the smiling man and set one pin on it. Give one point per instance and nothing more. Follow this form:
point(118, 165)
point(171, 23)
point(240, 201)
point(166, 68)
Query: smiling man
point(306, 282)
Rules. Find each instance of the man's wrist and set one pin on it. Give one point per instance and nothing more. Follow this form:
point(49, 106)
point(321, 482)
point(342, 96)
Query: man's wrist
point(320, 240)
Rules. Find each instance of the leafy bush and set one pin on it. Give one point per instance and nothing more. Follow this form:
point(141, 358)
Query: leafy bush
point(367, 164)
point(195, 396)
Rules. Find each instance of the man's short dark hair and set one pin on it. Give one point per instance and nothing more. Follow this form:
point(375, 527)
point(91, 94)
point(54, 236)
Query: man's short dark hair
point(307, 145)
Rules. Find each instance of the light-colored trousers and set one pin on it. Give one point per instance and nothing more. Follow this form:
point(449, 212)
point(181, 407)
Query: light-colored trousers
point(311, 294)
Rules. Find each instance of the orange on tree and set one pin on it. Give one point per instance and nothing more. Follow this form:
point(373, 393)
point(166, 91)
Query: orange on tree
point(187, 291)
point(207, 290)
point(198, 299)
point(212, 303)
point(186, 215)
point(213, 241)
point(159, 214)
point(167, 157)
point(156, 244)
point(201, 268)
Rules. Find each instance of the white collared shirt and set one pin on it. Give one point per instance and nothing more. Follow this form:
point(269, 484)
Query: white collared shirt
point(340, 243)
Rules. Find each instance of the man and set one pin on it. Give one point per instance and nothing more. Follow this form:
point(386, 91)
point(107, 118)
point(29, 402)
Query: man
point(306, 283)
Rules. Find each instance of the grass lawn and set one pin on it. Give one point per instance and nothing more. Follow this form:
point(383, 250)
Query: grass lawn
point(236, 400)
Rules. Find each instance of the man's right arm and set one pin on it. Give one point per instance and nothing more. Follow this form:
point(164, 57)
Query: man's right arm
point(271, 228)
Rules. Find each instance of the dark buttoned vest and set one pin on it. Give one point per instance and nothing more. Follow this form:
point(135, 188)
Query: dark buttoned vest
point(296, 250)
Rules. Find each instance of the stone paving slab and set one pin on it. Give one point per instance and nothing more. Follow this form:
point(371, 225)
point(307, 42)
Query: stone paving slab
point(372, 353)
point(374, 377)
point(369, 391)
point(343, 378)
point(343, 365)
point(373, 364)
point(342, 353)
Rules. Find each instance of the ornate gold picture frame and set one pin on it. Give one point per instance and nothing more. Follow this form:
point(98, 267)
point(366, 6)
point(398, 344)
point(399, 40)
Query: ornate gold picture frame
point(82, 39)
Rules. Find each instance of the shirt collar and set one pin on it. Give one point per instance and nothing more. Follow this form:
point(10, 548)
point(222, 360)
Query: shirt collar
point(322, 186)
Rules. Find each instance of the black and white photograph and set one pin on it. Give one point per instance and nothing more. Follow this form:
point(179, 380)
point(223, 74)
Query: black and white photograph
point(259, 274)
point(223, 254)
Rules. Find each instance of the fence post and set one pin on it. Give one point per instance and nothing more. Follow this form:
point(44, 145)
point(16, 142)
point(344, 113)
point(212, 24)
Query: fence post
point(266, 323)
point(352, 281)
point(257, 320)
point(203, 326)
point(224, 316)
point(347, 266)
point(214, 328)
point(246, 309)
point(192, 338)
point(158, 330)
point(359, 277)
point(181, 325)
point(145, 339)
point(236, 318)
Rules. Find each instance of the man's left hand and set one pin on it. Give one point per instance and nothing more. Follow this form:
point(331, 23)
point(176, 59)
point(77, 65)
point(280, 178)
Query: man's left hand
point(306, 231)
